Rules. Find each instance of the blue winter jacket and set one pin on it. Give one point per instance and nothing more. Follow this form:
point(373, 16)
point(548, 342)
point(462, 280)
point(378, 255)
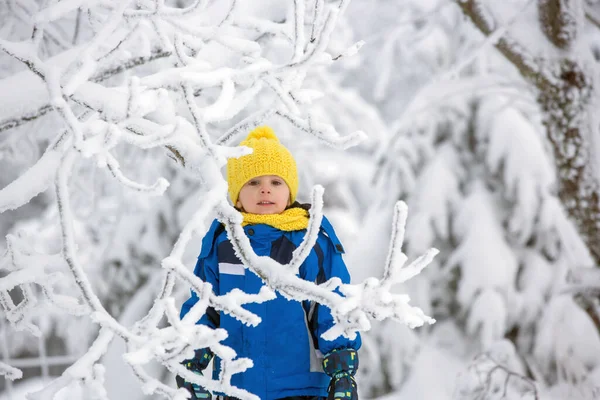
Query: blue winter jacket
point(286, 347)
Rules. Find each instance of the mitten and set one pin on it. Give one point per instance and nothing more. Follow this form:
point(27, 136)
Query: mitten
point(341, 365)
point(196, 365)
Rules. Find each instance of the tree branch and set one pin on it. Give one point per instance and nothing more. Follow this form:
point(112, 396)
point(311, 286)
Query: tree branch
point(513, 51)
point(102, 75)
point(24, 118)
point(558, 20)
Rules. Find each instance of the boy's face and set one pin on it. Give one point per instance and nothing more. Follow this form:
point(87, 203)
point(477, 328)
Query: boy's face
point(267, 194)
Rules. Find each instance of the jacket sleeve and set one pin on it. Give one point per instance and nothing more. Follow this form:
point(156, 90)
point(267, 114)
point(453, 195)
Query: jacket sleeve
point(207, 270)
point(333, 266)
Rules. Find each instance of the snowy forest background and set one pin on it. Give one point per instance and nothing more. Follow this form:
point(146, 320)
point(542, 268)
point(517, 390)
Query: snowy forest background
point(482, 115)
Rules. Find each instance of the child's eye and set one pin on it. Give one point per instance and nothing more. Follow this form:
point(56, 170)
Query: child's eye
point(276, 183)
point(253, 183)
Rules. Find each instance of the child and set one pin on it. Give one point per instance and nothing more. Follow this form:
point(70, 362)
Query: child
point(291, 360)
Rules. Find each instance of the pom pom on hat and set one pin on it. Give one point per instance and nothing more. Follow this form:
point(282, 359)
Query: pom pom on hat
point(269, 157)
point(260, 132)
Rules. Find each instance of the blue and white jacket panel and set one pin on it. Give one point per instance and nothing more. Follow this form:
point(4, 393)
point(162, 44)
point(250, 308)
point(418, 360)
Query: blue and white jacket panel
point(286, 346)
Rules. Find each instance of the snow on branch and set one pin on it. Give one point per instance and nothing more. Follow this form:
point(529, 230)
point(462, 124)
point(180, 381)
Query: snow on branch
point(585, 281)
point(158, 8)
point(31, 183)
point(10, 372)
point(562, 21)
point(514, 51)
point(492, 39)
point(312, 231)
point(24, 270)
point(230, 304)
point(246, 125)
point(86, 370)
point(146, 112)
point(299, 38)
point(172, 344)
point(324, 132)
point(494, 372)
point(157, 189)
point(372, 298)
point(35, 106)
point(591, 15)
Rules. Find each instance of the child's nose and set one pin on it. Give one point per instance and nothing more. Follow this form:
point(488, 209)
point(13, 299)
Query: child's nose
point(265, 189)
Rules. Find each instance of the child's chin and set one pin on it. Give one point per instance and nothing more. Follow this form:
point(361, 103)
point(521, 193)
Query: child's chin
point(267, 210)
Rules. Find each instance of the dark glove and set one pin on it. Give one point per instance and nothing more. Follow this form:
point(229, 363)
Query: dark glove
point(196, 365)
point(341, 365)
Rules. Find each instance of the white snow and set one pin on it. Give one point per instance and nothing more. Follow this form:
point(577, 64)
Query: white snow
point(452, 129)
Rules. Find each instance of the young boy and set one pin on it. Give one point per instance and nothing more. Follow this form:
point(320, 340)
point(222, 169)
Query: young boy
point(291, 360)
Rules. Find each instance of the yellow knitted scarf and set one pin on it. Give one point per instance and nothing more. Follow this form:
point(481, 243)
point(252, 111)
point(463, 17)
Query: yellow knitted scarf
point(292, 219)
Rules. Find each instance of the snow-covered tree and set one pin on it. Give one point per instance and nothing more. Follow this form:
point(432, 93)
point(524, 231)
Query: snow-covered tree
point(136, 106)
point(549, 48)
point(470, 151)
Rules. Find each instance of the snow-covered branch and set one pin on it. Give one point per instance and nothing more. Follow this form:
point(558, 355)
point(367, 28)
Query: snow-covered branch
point(182, 106)
point(86, 370)
point(583, 281)
point(33, 182)
point(24, 269)
point(561, 21)
point(372, 298)
point(591, 15)
point(493, 372)
point(32, 110)
point(514, 51)
point(10, 372)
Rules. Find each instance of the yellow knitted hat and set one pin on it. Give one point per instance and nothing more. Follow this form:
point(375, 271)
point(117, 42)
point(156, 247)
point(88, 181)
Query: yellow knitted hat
point(269, 157)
